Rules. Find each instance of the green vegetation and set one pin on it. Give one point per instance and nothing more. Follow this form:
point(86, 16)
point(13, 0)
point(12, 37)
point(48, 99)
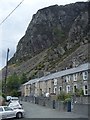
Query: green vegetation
point(64, 97)
point(59, 33)
point(0, 86)
point(71, 50)
point(23, 78)
point(40, 66)
point(79, 92)
point(33, 74)
point(13, 84)
point(35, 70)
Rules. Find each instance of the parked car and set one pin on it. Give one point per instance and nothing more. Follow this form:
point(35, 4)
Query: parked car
point(15, 104)
point(7, 112)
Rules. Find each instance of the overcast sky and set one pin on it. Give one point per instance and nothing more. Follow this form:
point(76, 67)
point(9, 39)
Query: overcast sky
point(15, 26)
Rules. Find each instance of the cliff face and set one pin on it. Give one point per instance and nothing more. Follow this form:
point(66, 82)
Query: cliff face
point(54, 33)
point(52, 26)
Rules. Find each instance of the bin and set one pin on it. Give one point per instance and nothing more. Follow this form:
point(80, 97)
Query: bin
point(53, 104)
point(69, 106)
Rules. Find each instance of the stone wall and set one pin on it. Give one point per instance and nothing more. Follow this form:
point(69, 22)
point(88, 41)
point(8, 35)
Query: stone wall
point(79, 108)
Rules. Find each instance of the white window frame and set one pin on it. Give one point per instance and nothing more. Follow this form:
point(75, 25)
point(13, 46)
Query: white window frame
point(68, 88)
point(74, 87)
point(75, 77)
point(85, 75)
point(55, 89)
point(59, 89)
point(55, 81)
point(68, 78)
point(85, 89)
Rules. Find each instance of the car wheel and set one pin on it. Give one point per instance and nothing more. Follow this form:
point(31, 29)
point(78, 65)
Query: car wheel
point(19, 115)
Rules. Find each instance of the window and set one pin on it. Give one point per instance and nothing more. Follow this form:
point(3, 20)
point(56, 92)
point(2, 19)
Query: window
point(60, 89)
point(74, 88)
point(55, 81)
point(1, 109)
point(67, 78)
point(55, 89)
point(26, 87)
point(49, 90)
point(68, 88)
point(86, 92)
point(75, 77)
point(8, 109)
point(40, 92)
point(85, 75)
point(85, 87)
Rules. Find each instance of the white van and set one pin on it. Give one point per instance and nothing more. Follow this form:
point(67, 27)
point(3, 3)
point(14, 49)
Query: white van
point(14, 99)
point(8, 98)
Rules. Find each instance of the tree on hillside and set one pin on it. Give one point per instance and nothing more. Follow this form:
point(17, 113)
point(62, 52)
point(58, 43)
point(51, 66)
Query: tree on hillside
point(23, 78)
point(13, 84)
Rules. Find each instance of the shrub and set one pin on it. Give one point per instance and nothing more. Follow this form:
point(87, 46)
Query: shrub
point(64, 97)
point(79, 92)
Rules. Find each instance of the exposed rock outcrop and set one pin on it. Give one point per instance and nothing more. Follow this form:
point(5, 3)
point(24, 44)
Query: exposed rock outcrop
point(57, 34)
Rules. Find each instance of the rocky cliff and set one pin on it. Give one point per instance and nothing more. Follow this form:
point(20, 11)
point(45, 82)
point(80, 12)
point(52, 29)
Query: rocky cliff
point(56, 38)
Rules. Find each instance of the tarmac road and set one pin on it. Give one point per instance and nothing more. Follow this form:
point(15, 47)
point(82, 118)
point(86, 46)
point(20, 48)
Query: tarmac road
point(37, 111)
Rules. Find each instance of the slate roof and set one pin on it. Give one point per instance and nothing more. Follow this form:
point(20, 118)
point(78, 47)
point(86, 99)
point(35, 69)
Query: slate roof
point(80, 68)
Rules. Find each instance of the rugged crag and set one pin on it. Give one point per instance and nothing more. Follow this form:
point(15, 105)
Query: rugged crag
point(54, 38)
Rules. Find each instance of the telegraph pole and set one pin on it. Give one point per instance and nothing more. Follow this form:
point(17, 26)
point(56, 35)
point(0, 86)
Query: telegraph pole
point(6, 71)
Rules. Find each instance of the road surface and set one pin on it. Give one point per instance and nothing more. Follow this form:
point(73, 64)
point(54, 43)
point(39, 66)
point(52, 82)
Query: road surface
point(37, 111)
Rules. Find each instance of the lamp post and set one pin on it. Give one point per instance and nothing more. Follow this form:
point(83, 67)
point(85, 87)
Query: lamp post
point(6, 71)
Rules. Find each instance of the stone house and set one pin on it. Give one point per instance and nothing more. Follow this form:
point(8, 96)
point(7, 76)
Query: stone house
point(68, 80)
